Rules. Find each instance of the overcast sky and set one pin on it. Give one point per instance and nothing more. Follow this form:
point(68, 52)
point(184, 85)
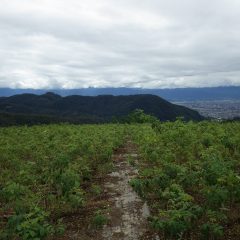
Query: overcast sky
point(119, 43)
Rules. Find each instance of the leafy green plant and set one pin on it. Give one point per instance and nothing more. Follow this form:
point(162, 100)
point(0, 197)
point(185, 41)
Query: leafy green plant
point(173, 222)
point(138, 116)
point(216, 196)
point(96, 189)
point(211, 231)
point(131, 161)
point(138, 186)
point(13, 191)
point(99, 219)
point(32, 225)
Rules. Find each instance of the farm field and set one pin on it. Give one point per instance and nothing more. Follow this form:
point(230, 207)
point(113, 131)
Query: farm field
point(187, 173)
point(42, 173)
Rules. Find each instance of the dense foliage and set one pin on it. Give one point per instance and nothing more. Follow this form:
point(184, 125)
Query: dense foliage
point(189, 173)
point(42, 170)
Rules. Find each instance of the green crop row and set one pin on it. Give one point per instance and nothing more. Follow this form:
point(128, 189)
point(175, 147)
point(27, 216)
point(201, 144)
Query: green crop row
point(190, 176)
point(42, 170)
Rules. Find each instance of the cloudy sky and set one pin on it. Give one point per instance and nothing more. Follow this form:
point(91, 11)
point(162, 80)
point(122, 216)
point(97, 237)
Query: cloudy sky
point(119, 43)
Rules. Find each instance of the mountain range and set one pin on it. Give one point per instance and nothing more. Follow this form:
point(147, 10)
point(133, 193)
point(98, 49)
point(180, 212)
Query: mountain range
point(89, 109)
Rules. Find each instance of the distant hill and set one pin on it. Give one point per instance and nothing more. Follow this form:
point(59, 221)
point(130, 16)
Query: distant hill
point(90, 109)
point(178, 94)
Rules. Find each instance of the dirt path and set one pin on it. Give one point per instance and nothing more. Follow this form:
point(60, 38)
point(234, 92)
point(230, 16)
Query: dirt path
point(128, 213)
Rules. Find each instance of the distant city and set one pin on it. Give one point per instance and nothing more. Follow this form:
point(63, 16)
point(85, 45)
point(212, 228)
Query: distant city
point(222, 109)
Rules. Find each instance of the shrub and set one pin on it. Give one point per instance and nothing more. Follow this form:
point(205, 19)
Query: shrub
point(99, 219)
point(29, 226)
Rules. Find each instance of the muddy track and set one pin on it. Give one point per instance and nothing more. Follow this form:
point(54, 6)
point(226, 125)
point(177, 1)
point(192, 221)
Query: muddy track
point(128, 213)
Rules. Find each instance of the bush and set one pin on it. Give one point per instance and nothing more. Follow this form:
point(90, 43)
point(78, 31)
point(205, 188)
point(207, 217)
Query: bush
point(99, 219)
point(29, 226)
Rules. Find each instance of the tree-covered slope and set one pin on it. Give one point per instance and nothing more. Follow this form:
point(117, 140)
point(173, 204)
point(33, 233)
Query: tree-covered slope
point(99, 107)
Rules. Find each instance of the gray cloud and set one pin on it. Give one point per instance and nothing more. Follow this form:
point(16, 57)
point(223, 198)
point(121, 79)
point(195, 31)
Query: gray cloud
point(148, 43)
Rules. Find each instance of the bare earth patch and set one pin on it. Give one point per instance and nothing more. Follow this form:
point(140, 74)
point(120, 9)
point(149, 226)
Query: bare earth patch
point(126, 212)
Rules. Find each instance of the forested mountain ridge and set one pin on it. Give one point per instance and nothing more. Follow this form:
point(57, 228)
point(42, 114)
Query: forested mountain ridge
point(99, 108)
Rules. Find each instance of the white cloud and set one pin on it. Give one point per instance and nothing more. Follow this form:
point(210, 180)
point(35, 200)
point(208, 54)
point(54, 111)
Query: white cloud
point(148, 43)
